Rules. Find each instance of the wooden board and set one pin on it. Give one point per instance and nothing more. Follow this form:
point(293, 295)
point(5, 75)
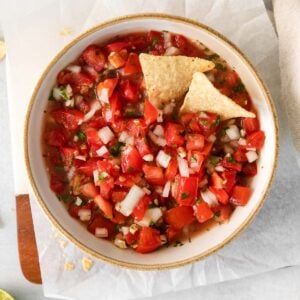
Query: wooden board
point(28, 253)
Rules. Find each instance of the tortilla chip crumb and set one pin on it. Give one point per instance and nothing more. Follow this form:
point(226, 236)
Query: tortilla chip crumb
point(87, 264)
point(68, 266)
point(2, 50)
point(62, 244)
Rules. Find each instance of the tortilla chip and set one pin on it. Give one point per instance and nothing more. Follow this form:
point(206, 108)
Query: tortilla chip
point(168, 78)
point(203, 96)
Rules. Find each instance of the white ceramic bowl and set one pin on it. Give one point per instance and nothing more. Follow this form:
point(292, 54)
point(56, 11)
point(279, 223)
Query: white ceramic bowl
point(203, 244)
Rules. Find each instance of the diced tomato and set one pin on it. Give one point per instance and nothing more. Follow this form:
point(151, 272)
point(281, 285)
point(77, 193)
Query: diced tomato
point(113, 111)
point(173, 134)
point(97, 121)
point(209, 123)
point(231, 164)
point(222, 213)
point(180, 42)
point(131, 238)
point(207, 149)
point(250, 169)
point(240, 155)
point(105, 206)
point(128, 180)
point(240, 195)
point(156, 41)
point(229, 180)
point(255, 140)
point(117, 46)
point(67, 154)
point(232, 78)
point(88, 167)
point(143, 147)
point(221, 194)
point(137, 127)
point(171, 170)
point(195, 159)
point(55, 137)
point(194, 141)
point(132, 65)
point(104, 166)
point(225, 90)
point(100, 222)
point(131, 160)
point(187, 190)
point(92, 137)
point(56, 185)
point(140, 209)
point(118, 218)
point(94, 57)
point(148, 240)
point(118, 195)
point(129, 91)
point(250, 124)
point(171, 233)
point(106, 88)
point(150, 112)
point(83, 106)
point(203, 212)
point(69, 118)
point(216, 180)
point(106, 185)
point(186, 118)
point(154, 175)
point(242, 99)
point(88, 190)
point(179, 216)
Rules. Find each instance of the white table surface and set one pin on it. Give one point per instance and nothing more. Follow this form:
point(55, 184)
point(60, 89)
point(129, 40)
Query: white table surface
point(279, 284)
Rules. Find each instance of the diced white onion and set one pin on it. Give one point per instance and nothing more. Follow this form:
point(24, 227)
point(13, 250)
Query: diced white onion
point(103, 97)
point(251, 149)
point(96, 176)
point(158, 190)
point(148, 157)
point(167, 39)
point(209, 198)
point(75, 138)
point(152, 215)
point(203, 115)
point(94, 107)
point(78, 201)
point(101, 232)
point(157, 140)
point(123, 137)
point(120, 243)
point(219, 169)
point(163, 239)
point(105, 134)
point(56, 93)
point(102, 151)
point(183, 167)
point(243, 132)
point(108, 115)
point(124, 229)
point(174, 189)
point(168, 109)
point(74, 68)
point(133, 228)
point(166, 190)
point(69, 103)
point(159, 130)
point(172, 51)
point(233, 132)
point(127, 205)
point(242, 142)
point(163, 158)
point(147, 192)
point(80, 157)
point(251, 156)
point(159, 116)
point(212, 138)
point(84, 214)
point(130, 140)
point(71, 173)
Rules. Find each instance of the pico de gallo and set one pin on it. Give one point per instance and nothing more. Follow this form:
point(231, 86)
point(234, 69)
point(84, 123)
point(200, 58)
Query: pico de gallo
point(139, 176)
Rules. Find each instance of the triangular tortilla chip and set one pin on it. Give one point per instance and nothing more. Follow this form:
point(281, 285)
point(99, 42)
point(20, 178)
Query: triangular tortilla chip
point(168, 78)
point(203, 96)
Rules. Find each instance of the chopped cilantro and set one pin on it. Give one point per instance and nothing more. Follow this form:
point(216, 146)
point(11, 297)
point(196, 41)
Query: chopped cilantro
point(118, 227)
point(81, 135)
point(152, 205)
point(213, 56)
point(220, 67)
point(203, 121)
point(217, 215)
point(214, 160)
point(155, 41)
point(132, 114)
point(177, 243)
point(130, 169)
point(116, 148)
point(198, 201)
point(239, 87)
point(59, 168)
point(185, 196)
point(193, 159)
point(231, 159)
point(64, 197)
point(103, 175)
point(216, 123)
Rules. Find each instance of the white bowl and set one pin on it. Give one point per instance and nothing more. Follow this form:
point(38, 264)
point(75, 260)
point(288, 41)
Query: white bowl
point(203, 244)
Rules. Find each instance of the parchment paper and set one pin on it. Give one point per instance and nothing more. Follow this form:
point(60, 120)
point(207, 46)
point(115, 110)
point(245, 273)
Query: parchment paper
point(271, 241)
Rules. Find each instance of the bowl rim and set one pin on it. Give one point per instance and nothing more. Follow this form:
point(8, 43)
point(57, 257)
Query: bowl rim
point(53, 219)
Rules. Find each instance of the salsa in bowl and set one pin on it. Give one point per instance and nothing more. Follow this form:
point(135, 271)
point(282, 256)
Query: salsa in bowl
point(132, 160)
